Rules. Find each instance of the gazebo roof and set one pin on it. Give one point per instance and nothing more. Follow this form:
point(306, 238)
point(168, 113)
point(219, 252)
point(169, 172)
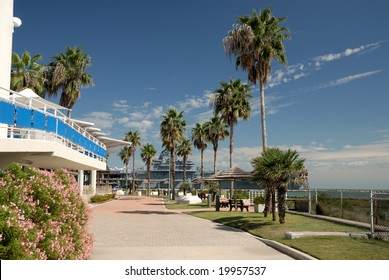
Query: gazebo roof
point(234, 173)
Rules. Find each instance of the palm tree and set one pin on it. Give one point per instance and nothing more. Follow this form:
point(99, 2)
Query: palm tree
point(133, 137)
point(184, 150)
point(125, 155)
point(172, 129)
point(28, 73)
point(231, 103)
point(215, 130)
point(255, 41)
point(67, 73)
point(276, 168)
point(199, 139)
point(147, 153)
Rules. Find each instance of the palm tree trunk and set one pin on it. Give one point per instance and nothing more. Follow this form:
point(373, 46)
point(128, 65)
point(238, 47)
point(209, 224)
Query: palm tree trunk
point(172, 163)
point(127, 177)
point(202, 167)
point(214, 159)
point(184, 175)
point(263, 116)
point(133, 172)
point(266, 211)
point(281, 204)
point(273, 202)
point(231, 142)
point(148, 178)
point(231, 154)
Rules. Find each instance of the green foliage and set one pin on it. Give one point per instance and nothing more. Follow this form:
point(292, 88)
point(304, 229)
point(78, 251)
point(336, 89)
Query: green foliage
point(42, 215)
point(98, 198)
point(240, 194)
point(184, 187)
point(213, 187)
point(259, 199)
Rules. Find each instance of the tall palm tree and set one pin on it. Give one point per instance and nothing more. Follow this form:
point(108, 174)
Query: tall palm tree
point(28, 73)
point(216, 130)
point(232, 103)
point(199, 139)
point(184, 150)
point(147, 153)
point(134, 138)
point(125, 156)
point(276, 168)
point(255, 41)
point(172, 129)
point(67, 73)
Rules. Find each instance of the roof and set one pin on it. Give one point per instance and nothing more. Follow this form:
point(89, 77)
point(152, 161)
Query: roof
point(232, 174)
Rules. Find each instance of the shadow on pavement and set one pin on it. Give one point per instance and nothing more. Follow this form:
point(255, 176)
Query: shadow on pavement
point(144, 212)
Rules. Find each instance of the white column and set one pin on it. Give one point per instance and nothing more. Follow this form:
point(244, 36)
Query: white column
point(81, 181)
point(93, 181)
point(6, 29)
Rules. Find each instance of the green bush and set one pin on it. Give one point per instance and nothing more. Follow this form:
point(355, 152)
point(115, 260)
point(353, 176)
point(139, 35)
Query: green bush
point(98, 198)
point(259, 199)
point(42, 216)
point(240, 194)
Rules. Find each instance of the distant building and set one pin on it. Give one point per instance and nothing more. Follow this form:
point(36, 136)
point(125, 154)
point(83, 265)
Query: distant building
point(159, 173)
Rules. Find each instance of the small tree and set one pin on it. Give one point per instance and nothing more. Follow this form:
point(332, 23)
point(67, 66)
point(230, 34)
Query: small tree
point(275, 168)
point(147, 153)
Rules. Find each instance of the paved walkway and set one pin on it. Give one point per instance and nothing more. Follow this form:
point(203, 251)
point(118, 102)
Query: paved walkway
point(141, 228)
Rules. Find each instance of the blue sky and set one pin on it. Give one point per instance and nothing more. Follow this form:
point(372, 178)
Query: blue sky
point(330, 102)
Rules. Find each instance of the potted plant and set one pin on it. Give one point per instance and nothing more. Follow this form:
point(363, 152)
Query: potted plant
point(259, 203)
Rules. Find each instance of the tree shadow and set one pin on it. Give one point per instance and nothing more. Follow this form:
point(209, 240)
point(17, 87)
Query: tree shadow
point(145, 212)
point(242, 222)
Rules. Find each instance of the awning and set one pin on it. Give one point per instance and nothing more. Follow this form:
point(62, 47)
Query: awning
point(84, 124)
point(27, 94)
point(111, 143)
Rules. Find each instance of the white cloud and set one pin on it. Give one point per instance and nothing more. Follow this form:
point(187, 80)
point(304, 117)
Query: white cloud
point(322, 59)
point(195, 102)
point(120, 105)
point(102, 120)
point(347, 79)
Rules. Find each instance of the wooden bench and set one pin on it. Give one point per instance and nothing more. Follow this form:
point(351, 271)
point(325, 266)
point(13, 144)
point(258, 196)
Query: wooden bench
point(239, 203)
point(223, 202)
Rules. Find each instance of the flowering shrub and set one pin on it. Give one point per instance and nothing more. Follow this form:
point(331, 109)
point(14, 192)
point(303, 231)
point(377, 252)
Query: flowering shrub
point(42, 216)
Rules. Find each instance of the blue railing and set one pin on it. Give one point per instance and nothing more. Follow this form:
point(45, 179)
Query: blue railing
point(20, 118)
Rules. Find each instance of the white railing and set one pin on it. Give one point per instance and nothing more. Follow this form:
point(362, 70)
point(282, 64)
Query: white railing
point(61, 128)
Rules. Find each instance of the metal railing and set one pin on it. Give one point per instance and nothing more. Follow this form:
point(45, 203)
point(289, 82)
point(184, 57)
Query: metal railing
point(35, 119)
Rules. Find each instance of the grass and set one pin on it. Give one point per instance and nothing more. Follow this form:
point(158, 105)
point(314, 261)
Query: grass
point(325, 248)
point(173, 206)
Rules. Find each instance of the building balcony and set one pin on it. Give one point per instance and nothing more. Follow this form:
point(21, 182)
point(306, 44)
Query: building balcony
point(35, 132)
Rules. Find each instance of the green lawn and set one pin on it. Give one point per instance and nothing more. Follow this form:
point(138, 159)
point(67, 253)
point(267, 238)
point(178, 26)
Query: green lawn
point(325, 248)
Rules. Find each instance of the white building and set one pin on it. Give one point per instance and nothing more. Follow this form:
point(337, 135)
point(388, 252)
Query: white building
point(38, 133)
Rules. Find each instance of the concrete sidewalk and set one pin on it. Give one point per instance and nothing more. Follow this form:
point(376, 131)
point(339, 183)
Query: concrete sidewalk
point(141, 228)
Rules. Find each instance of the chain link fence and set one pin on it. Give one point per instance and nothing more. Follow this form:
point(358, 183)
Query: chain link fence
point(379, 220)
point(365, 206)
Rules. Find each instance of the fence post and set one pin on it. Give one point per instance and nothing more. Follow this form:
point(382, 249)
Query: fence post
point(371, 212)
point(309, 202)
point(341, 203)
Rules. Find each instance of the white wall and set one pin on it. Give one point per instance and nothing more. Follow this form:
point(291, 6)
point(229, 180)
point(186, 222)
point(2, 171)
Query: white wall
point(6, 28)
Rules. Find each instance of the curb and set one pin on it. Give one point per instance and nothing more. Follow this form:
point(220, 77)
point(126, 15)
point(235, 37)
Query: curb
point(295, 254)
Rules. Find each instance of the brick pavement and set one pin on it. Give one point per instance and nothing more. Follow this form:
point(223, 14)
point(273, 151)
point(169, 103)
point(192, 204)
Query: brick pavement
point(141, 228)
